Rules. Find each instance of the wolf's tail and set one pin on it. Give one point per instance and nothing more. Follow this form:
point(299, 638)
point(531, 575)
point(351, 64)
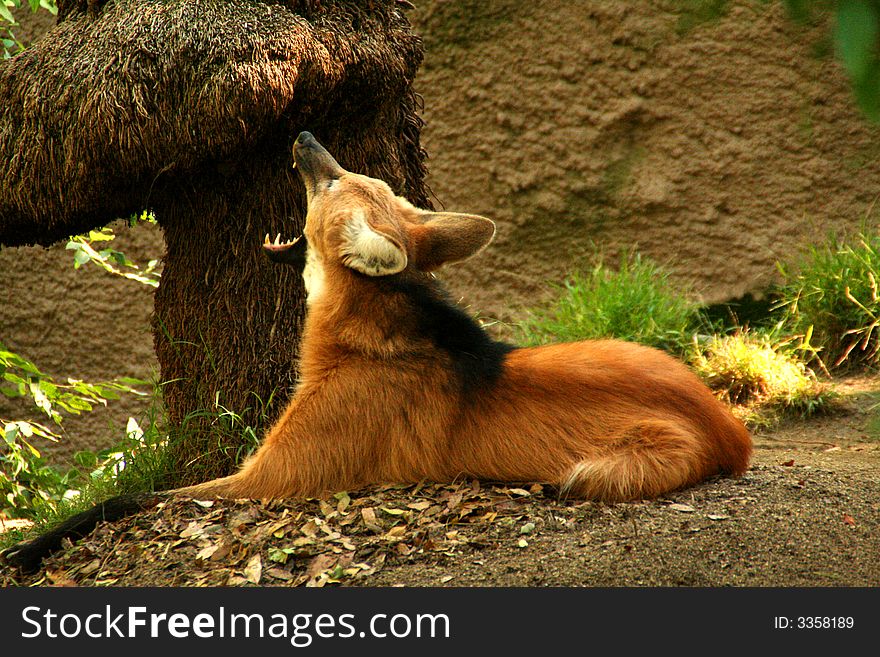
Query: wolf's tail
point(655, 457)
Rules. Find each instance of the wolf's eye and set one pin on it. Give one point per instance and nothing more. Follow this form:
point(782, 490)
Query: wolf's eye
point(331, 185)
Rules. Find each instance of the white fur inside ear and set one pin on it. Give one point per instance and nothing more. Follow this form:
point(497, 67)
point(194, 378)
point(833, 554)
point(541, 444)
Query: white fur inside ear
point(369, 252)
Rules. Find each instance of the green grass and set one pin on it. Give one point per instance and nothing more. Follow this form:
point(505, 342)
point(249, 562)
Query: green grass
point(637, 302)
point(830, 293)
point(760, 371)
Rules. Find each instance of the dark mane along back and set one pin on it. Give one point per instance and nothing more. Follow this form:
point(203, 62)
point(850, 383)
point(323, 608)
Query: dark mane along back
point(478, 360)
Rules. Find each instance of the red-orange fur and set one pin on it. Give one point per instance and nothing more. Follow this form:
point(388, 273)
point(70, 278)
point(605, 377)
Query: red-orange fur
point(378, 403)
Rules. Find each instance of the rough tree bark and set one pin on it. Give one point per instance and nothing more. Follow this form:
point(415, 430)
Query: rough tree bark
point(189, 108)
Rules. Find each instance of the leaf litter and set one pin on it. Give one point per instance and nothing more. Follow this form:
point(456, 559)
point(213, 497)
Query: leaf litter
point(462, 533)
point(316, 542)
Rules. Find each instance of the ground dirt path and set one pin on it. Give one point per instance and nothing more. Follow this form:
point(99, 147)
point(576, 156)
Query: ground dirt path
point(807, 513)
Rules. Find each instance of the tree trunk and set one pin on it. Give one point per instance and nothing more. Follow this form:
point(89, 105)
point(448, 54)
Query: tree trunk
point(190, 108)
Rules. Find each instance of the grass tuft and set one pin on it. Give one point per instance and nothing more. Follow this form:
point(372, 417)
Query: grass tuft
point(636, 302)
point(831, 293)
point(767, 381)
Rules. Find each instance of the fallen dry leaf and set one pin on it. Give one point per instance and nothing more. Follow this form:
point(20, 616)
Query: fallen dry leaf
point(246, 516)
point(207, 552)
point(194, 528)
point(223, 551)
point(280, 573)
point(310, 529)
point(454, 500)
point(370, 520)
point(396, 532)
point(316, 572)
point(254, 569)
point(521, 492)
point(343, 501)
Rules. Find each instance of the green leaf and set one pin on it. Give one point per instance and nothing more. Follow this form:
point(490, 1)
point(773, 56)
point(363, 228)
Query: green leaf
point(98, 236)
point(80, 258)
point(49, 388)
point(279, 555)
point(119, 257)
point(34, 451)
point(76, 404)
point(10, 392)
point(10, 432)
point(15, 360)
point(6, 15)
point(856, 35)
point(394, 512)
point(129, 381)
point(86, 459)
point(13, 378)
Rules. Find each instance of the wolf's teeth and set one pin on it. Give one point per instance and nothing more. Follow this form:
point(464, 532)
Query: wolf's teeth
point(277, 241)
point(266, 240)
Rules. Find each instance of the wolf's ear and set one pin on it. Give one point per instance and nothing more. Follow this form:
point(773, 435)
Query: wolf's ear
point(450, 237)
point(371, 251)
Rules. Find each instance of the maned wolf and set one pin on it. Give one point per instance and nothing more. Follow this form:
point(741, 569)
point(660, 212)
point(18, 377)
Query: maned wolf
point(397, 384)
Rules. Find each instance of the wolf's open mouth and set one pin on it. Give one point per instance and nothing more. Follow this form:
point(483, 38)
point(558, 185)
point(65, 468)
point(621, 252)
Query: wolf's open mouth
point(288, 252)
point(278, 245)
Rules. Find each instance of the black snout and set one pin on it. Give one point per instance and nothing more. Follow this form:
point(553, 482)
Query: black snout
point(314, 163)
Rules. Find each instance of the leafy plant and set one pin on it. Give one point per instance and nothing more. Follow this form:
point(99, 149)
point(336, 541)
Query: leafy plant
point(830, 294)
point(27, 481)
point(636, 302)
point(9, 44)
point(30, 485)
point(110, 260)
